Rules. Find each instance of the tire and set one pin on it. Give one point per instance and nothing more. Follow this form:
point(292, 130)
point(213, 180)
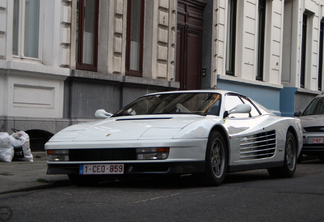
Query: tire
point(300, 158)
point(216, 160)
point(321, 157)
point(84, 180)
point(290, 161)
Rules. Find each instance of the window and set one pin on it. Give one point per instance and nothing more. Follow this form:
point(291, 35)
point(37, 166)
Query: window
point(316, 107)
point(87, 34)
point(26, 25)
point(262, 4)
point(134, 48)
point(231, 37)
point(174, 103)
point(232, 100)
point(303, 52)
point(320, 62)
point(254, 111)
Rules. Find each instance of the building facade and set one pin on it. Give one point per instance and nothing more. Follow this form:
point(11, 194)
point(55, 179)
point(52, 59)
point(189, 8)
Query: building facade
point(62, 60)
point(270, 51)
point(302, 63)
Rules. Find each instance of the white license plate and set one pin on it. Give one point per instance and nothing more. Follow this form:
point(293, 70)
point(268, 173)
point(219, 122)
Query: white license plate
point(101, 169)
point(318, 140)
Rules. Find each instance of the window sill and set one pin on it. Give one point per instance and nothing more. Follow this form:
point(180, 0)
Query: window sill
point(248, 82)
point(33, 67)
point(124, 79)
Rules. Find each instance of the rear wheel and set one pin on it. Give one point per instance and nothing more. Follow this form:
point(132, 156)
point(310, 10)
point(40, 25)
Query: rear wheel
point(290, 161)
point(216, 159)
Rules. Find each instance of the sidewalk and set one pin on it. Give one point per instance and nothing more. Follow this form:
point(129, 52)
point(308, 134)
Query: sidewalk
point(24, 175)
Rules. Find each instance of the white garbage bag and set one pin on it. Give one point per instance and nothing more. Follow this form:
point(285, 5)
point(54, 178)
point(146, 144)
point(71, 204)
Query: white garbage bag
point(21, 139)
point(6, 149)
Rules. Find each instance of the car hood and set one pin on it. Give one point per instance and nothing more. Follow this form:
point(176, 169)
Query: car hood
point(125, 128)
point(312, 120)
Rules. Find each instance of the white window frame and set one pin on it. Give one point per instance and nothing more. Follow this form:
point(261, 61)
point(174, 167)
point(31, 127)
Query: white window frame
point(21, 31)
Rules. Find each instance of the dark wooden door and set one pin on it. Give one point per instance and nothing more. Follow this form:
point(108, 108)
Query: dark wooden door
point(189, 41)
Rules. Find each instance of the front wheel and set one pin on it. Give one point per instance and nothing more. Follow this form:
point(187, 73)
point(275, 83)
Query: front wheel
point(290, 161)
point(216, 159)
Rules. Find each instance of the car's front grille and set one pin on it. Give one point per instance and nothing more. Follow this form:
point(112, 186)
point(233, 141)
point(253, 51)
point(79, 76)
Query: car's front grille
point(314, 146)
point(258, 146)
point(314, 129)
point(102, 154)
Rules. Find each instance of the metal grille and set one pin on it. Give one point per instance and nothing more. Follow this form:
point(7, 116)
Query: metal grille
point(315, 129)
point(258, 146)
point(102, 154)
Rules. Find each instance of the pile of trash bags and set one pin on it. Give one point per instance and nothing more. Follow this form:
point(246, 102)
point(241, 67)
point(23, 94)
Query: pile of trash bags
point(15, 147)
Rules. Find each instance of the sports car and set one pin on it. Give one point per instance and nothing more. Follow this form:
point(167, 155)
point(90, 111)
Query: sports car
point(208, 133)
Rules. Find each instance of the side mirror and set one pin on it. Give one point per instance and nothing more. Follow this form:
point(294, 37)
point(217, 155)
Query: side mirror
point(297, 113)
point(240, 108)
point(101, 113)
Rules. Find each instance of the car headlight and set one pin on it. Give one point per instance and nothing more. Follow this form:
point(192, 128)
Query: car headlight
point(57, 155)
point(152, 153)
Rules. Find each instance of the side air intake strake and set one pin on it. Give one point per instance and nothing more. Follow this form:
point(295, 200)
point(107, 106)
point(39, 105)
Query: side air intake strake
point(258, 146)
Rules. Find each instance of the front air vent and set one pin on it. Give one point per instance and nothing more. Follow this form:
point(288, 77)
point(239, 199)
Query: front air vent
point(258, 146)
point(102, 154)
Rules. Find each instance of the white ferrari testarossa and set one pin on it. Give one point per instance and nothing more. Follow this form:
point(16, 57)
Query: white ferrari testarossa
point(203, 132)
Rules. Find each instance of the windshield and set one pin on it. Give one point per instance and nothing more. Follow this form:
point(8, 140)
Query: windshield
point(174, 103)
point(316, 107)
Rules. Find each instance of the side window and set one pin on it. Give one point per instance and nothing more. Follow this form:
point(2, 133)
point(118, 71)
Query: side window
point(233, 100)
point(230, 102)
point(254, 111)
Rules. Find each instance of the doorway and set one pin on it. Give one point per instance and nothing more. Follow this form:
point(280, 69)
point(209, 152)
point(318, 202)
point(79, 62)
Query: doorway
point(189, 44)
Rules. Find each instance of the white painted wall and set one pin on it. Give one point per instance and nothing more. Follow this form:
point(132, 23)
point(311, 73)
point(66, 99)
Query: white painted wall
point(159, 38)
point(34, 87)
point(311, 76)
point(292, 39)
point(283, 42)
point(246, 41)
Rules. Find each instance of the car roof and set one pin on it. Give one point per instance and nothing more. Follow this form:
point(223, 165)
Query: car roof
point(220, 91)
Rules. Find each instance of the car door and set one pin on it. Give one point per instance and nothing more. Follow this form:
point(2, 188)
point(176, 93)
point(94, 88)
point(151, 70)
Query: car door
point(239, 122)
point(239, 126)
point(250, 141)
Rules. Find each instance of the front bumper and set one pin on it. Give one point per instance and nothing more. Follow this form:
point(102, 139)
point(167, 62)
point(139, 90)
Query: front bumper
point(185, 156)
point(311, 148)
point(138, 168)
